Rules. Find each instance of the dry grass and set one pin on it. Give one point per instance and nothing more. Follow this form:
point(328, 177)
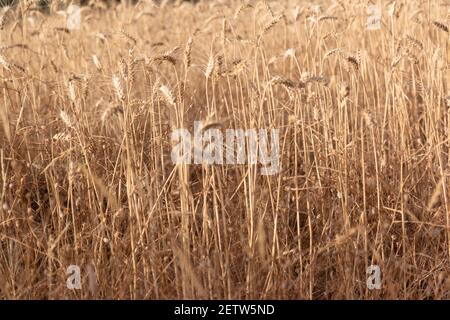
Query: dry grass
point(86, 176)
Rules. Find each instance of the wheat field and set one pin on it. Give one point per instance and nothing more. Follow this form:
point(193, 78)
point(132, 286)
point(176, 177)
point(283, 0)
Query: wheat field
point(86, 176)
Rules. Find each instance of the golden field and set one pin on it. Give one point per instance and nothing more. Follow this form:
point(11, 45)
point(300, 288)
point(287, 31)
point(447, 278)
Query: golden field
point(86, 176)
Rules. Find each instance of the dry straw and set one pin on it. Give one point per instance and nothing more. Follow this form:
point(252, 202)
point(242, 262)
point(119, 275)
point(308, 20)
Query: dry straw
point(87, 151)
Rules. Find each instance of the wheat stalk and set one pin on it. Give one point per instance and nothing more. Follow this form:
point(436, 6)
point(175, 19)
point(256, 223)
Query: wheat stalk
point(441, 26)
point(167, 95)
point(117, 84)
point(187, 52)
